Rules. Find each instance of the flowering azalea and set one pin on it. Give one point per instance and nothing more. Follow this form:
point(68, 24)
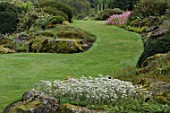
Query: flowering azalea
point(118, 19)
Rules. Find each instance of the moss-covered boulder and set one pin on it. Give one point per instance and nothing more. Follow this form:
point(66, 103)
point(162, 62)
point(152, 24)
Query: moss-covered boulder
point(60, 39)
point(34, 102)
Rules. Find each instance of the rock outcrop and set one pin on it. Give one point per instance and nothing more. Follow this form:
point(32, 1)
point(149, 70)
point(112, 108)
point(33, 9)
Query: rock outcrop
point(34, 102)
point(37, 102)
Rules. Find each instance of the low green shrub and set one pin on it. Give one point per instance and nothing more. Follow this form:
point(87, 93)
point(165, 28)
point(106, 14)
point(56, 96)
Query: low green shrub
point(105, 14)
point(57, 20)
point(8, 17)
point(70, 34)
point(147, 8)
point(26, 20)
point(4, 40)
point(58, 6)
point(148, 21)
point(55, 12)
point(152, 47)
point(136, 29)
point(80, 16)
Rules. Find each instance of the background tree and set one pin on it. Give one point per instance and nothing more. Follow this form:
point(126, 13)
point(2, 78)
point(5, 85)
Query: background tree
point(123, 4)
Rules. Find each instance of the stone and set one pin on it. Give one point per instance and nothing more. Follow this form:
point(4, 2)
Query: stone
point(158, 33)
point(149, 29)
point(34, 102)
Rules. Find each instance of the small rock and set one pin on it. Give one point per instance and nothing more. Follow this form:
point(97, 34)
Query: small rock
point(149, 29)
point(158, 33)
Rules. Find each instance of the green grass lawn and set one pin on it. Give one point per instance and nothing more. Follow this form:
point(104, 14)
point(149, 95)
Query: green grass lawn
point(114, 49)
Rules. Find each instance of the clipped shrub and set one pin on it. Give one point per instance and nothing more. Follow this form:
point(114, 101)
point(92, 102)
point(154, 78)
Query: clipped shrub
point(57, 20)
point(105, 14)
point(8, 17)
point(136, 29)
point(118, 19)
point(58, 6)
point(147, 8)
point(4, 40)
point(80, 16)
point(152, 47)
point(26, 20)
point(55, 12)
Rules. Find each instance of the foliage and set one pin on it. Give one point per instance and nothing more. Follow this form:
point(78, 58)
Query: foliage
point(55, 12)
point(145, 8)
point(8, 17)
point(148, 21)
point(123, 4)
point(104, 93)
point(46, 35)
point(105, 14)
point(57, 6)
point(27, 19)
point(166, 23)
point(80, 7)
point(136, 29)
point(118, 19)
point(57, 20)
point(99, 5)
point(168, 9)
point(153, 47)
point(101, 90)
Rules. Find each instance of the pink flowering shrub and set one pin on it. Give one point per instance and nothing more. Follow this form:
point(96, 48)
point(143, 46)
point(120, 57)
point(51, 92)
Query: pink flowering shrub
point(118, 19)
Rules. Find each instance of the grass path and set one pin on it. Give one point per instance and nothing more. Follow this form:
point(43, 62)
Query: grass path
point(115, 48)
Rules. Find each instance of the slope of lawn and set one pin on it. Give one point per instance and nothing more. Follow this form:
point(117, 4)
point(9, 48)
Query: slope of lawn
point(114, 49)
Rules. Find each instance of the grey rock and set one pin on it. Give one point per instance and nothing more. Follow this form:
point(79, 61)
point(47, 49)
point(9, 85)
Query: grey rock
point(158, 33)
point(34, 102)
point(149, 29)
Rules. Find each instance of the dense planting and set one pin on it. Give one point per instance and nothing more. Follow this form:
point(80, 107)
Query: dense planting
point(56, 6)
point(101, 90)
point(105, 14)
point(8, 17)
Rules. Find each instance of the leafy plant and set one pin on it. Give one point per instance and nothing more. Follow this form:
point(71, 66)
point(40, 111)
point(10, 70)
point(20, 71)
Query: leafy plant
point(57, 6)
point(105, 14)
point(145, 8)
point(8, 17)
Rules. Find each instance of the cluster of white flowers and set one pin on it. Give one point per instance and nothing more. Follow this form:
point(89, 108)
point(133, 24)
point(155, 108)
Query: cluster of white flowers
point(92, 90)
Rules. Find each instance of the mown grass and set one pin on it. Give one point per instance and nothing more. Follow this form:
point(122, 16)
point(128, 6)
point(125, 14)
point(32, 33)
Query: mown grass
point(114, 49)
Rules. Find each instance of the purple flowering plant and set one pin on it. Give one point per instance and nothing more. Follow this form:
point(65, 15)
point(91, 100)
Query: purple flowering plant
point(118, 19)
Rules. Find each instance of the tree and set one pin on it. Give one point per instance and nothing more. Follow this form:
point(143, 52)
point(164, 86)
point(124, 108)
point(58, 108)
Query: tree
point(123, 4)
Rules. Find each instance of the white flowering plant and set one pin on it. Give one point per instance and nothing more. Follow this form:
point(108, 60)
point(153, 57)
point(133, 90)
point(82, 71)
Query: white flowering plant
point(102, 90)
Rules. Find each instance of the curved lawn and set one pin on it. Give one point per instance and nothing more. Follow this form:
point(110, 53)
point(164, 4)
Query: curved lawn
point(115, 48)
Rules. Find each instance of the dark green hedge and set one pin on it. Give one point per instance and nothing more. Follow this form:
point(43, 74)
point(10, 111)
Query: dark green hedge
point(8, 17)
point(58, 6)
point(152, 47)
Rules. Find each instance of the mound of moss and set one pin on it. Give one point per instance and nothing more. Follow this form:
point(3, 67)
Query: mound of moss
point(56, 39)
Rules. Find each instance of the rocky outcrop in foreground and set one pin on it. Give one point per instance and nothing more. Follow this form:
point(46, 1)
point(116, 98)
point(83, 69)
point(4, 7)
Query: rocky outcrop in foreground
point(36, 102)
